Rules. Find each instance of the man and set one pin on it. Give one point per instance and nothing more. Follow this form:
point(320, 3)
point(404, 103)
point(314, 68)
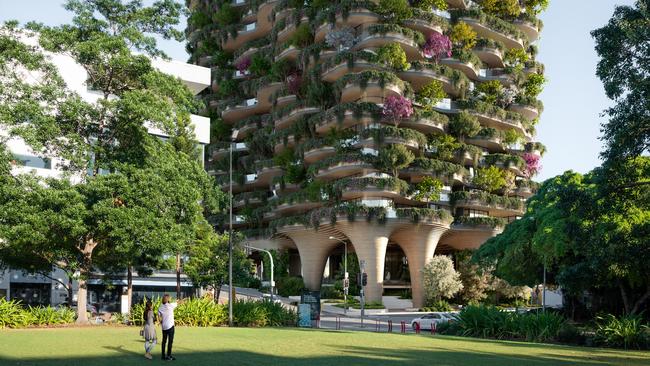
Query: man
point(166, 315)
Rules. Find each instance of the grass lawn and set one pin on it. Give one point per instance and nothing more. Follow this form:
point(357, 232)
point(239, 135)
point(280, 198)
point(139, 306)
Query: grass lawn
point(121, 346)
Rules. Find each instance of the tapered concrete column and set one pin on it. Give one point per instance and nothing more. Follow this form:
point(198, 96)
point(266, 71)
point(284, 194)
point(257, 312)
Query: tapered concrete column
point(314, 248)
point(370, 241)
point(419, 244)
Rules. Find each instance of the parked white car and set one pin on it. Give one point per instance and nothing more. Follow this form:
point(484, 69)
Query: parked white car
point(426, 321)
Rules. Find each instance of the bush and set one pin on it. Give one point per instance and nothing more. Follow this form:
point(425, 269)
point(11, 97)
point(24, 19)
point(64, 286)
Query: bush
point(570, 334)
point(204, 312)
point(302, 37)
point(463, 36)
point(393, 56)
point(13, 315)
point(290, 286)
point(440, 305)
point(394, 11)
point(330, 292)
point(625, 332)
point(490, 322)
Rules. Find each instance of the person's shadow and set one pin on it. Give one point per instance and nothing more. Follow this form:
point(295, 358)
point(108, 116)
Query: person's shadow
point(121, 350)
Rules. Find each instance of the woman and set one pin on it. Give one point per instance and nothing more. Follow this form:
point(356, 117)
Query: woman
point(150, 338)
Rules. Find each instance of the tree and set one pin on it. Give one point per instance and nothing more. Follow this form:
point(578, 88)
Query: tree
point(502, 8)
point(464, 124)
point(437, 45)
point(397, 108)
point(428, 190)
point(587, 240)
point(431, 94)
point(207, 264)
point(393, 56)
point(476, 281)
point(394, 11)
point(96, 215)
point(440, 279)
point(489, 179)
point(624, 69)
point(394, 158)
point(428, 4)
point(463, 36)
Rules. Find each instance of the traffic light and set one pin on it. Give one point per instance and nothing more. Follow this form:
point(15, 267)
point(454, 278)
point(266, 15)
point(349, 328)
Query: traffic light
point(364, 279)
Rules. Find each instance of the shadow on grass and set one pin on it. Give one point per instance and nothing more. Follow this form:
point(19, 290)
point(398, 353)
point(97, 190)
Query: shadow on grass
point(438, 353)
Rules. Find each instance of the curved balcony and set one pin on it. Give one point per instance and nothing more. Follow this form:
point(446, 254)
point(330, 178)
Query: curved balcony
point(495, 74)
point(285, 100)
point(497, 206)
point(490, 142)
point(345, 116)
point(469, 68)
point(484, 30)
point(318, 153)
point(290, 53)
point(523, 192)
point(528, 111)
point(492, 56)
point(336, 72)
point(289, 142)
point(421, 74)
point(529, 28)
point(250, 199)
point(357, 188)
point(426, 124)
point(375, 40)
point(448, 173)
point(373, 92)
point(259, 28)
point(494, 117)
point(355, 18)
point(426, 22)
point(289, 30)
point(246, 54)
point(512, 163)
point(370, 142)
point(241, 111)
point(247, 127)
point(292, 204)
point(222, 150)
point(287, 120)
point(338, 167)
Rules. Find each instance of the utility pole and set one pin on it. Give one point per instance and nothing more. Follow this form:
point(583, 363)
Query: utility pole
point(271, 259)
point(362, 300)
point(230, 297)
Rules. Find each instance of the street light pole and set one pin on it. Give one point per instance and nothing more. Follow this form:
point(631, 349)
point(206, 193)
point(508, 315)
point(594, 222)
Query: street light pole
point(345, 275)
point(230, 299)
point(271, 258)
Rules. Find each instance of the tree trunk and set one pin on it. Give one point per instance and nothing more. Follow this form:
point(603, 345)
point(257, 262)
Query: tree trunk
point(626, 302)
point(70, 294)
point(178, 276)
point(638, 303)
point(82, 297)
point(129, 287)
point(217, 293)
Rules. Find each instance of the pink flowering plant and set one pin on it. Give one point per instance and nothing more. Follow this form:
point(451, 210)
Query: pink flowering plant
point(437, 46)
point(397, 108)
point(243, 64)
point(294, 82)
point(533, 164)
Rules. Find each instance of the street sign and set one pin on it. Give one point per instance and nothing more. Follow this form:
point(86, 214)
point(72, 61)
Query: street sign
point(346, 283)
point(313, 299)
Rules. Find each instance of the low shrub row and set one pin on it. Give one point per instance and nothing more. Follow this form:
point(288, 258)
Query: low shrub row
point(204, 312)
point(13, 315)
point(481, 321)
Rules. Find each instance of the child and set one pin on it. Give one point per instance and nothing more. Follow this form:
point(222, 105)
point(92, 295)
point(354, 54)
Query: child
point(166, 313)
point(150, 338)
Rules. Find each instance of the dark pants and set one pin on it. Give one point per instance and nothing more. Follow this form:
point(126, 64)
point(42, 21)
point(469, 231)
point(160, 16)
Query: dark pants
point(167, 334)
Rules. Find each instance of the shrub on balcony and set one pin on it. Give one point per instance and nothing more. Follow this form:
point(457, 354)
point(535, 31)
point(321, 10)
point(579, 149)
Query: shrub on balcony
point(463, 36)
point(495, 23)
point(493, 222)
point(490, 200)
point(389, 184)
point(243, 64)
point(534, 85)
point(490, 91)
point(511, 137)
point(535, 7)
point(393, 56)
point(260, 65)
point(384, 29)
point(437, 46)
point(430, 95)
point(302, 37)
point(438, 167)
point(383, 78)
point(428, 190)
point(417, 214)
point(393, 158)
point(533, 164)
point(443, 147)
point(229, 88)
point(380, 134)
point(429, 4)
point(490, 179)
point(464, 124)
point(502, 8)
point(395, 11)
point(397, 109)
point(535, 146)
point(516, 58)
point(227, 15)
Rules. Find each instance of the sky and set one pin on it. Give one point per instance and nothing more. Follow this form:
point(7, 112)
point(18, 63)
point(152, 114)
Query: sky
point(574, 97)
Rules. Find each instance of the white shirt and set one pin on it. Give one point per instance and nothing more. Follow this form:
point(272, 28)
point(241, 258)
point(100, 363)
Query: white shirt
point(166, 314)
